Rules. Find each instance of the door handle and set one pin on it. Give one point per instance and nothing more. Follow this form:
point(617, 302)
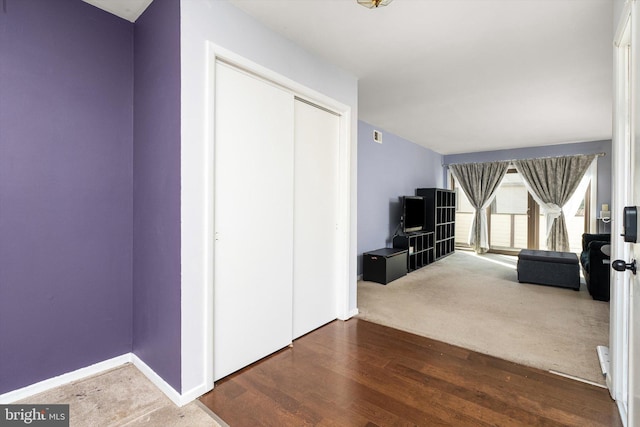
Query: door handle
point(620, 265)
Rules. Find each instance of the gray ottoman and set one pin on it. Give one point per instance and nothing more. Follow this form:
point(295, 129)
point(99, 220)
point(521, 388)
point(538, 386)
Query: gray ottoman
point(549, 268)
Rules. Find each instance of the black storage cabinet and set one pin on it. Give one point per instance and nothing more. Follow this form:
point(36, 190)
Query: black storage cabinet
point(384, 265)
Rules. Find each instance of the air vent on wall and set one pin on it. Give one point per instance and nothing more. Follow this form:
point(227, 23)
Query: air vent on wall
point(377, 136)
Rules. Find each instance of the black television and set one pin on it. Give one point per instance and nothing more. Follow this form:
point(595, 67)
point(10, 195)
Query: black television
point(413, 214)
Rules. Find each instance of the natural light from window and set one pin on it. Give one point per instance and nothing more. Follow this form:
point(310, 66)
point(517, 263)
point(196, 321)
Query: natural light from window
point(509, 221)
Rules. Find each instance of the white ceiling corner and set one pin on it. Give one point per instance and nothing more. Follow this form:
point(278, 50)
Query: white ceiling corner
point(125, 9)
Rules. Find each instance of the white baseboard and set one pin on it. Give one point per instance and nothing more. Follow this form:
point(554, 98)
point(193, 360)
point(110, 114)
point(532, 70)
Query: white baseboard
point(177, 398)
point(98, 368)
point(352, 313)
point(60, 380)
point(193, 394)
point(164, 387)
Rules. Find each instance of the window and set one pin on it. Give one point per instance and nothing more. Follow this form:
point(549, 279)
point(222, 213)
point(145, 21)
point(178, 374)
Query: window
point(508, 217)
point(515, 220)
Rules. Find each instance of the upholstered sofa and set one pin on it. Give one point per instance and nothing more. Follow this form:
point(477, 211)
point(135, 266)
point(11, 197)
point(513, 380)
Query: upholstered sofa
point(596, 264)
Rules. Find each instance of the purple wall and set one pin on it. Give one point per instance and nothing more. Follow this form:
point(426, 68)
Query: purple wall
point(385, 172)
point(604, 162)
point(66, 96)
point(156, 190)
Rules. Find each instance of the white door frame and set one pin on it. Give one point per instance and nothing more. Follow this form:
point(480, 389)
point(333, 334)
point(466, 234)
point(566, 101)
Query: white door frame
point(197, 299)
point(623, 127)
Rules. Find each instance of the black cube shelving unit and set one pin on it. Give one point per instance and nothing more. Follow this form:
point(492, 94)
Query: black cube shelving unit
point(441, 218)
point(420, 247)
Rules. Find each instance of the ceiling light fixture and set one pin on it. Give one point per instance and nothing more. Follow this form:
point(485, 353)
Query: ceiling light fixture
point(373, 3)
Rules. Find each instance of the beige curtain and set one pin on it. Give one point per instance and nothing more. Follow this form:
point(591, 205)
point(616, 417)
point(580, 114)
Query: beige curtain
point(551, 182)
point(479, 181)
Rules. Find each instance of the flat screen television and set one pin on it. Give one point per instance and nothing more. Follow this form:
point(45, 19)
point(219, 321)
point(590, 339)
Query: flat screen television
point(413, 214)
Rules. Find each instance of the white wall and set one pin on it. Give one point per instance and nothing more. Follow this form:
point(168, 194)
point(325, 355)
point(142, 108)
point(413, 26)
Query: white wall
point(617, 11)
point(219, 22)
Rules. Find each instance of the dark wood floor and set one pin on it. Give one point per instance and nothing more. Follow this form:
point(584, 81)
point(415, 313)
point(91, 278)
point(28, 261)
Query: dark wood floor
point(358, 373)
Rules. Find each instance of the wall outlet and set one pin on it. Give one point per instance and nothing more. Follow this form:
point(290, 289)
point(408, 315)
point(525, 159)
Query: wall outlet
point(377, 136)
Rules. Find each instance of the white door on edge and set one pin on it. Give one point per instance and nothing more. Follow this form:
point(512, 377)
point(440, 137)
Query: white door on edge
point(634, 309)
point(630, 254)
point(253, 215)
point(626, 286)
point(634, 279)
point(316, 192)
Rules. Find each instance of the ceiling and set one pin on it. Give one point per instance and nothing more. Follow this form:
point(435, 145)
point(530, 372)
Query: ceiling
point(464, 75)
point(125, 9)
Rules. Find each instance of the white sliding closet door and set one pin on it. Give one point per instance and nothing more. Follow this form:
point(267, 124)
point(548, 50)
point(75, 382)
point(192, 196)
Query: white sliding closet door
point(253, 219)
point(317, 134)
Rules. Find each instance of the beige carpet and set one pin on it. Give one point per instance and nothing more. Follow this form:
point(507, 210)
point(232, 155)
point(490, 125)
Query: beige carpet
point(476, 302)
point(122, 397)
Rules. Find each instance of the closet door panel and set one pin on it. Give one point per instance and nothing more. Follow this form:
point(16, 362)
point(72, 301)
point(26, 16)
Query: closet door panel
point(315, 217)
point(253, 219)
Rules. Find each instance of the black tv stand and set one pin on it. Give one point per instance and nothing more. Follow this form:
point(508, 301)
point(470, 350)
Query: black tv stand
point(420, 247)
